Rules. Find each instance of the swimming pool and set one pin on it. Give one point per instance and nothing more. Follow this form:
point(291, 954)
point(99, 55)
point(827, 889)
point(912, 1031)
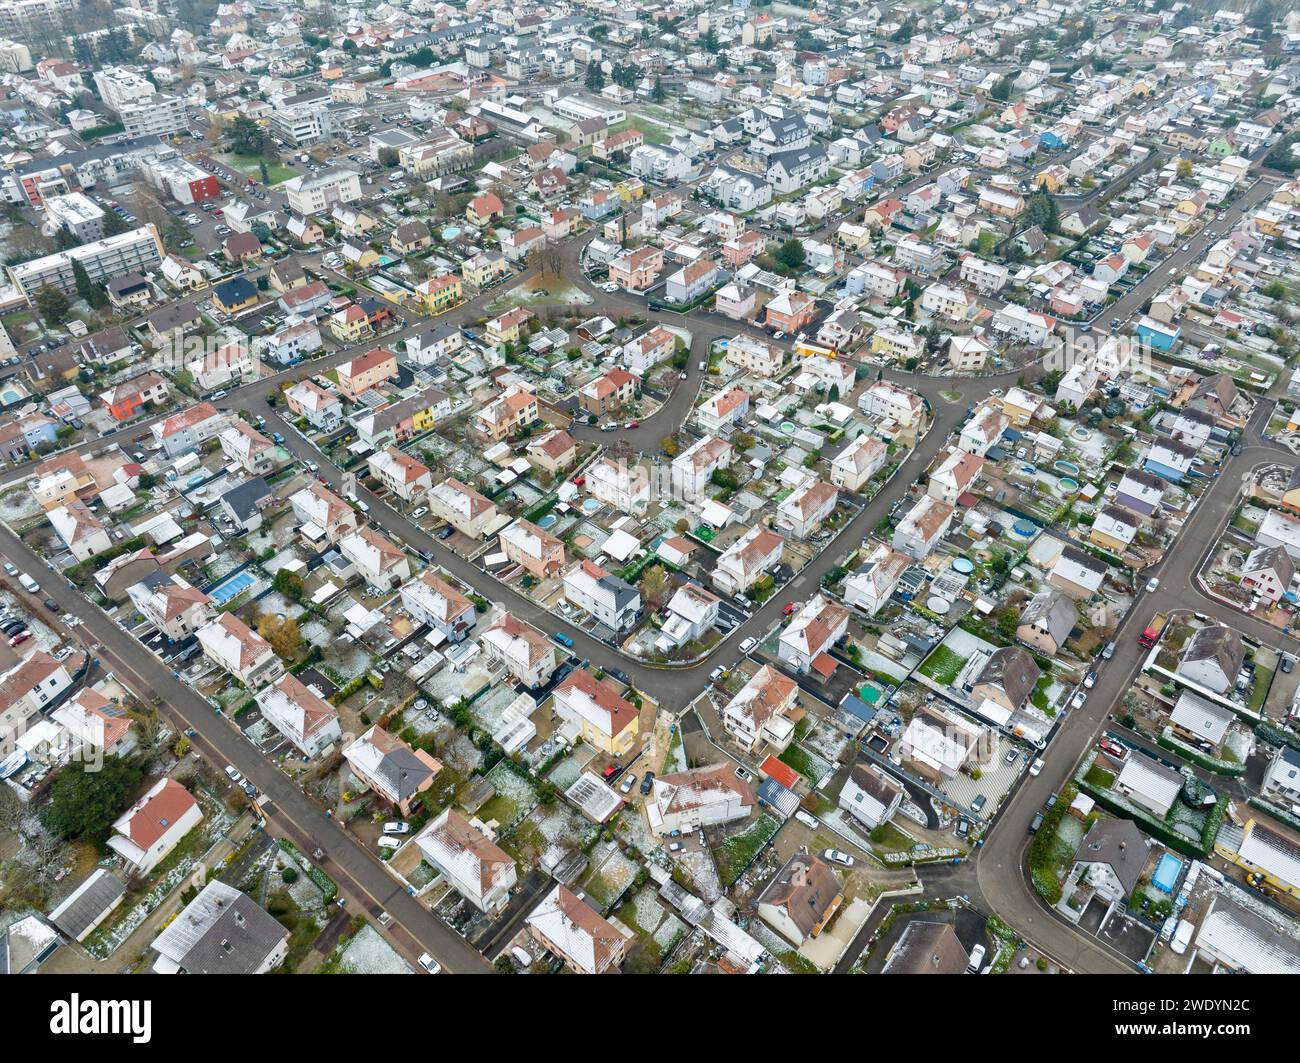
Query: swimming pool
point(451, 232)
point(232, 588)
point(1068, 484)
point(1067, 467)
point(547, 521)
point(590, 505)
point(1166, 876)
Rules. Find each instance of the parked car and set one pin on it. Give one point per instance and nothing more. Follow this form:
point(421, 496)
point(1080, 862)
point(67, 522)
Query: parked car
point(419, 512)
point(748, 645)
point(647, 783)
point(563, 640)
point(1036, 767)
point(1152, 584)
point(1051, 800)
point(10, 570)
point(629, 780)
point(51, 605)
point(1035, 823)
point(394, 827)
point(1287, 663)
point(1090, 680)
point(1109, 651)
point(838, 856)
point(674, 847)
point(234, 775)
point(1012, 756)
point(610, 772)
point(976, 958)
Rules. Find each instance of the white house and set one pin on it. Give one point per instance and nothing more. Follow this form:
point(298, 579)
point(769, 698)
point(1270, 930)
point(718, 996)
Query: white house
point(873, 582)
point(805, 642)
point(870, 796)
point(699, 797)
point(300, 714)
point(475, 866)
point(240, 650)
point(152, 827)
point(612, 601)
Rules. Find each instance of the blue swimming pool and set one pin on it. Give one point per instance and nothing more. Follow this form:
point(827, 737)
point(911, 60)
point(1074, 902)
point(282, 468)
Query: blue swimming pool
point(1166, 876)
point(232, 588)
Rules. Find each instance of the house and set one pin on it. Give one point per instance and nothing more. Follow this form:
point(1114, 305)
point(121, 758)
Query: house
point(410, 236)
point(1280, 529)
point(723, 412)
point(696, 798)
point(805, 643)
point(803, 511)
point(538, 552)
point(554, 452)
point(247, 448)
point(322, 409)
point(956, 475)
point(749, 557)
point(857, 463)
point(1282, 776)
point(602, 717)
point(235, 295)
point(172, 605)
point(1169, 459)
point(510, 412)
point(1113, 855)
point(644, 352)
point(431, 600)
point(379, 561)
point(350, 324)
point(763, 714)
point(134, 396)
point(398, 422)
point(154, 825)
point(1149, 784)
point(611, 601)
point(789, 311)
point(530, 656)
point(1006, 677)
point(637, 270)
point(392, 770)
point(1198, 720)
point(475, 866)
point(1140, 492)
point(1047, 621)
point(692, 281)
point(625, 487)
point(870, 586)
point(315, 506)
point(1269, 571)
point(243, 504)
point(1113, 529)
point(402, 474)
point(221, 931)
point(26, 689)
point(366, 371)
point(801, 899)
point(575, 932)
point(609, 392)
point(82, 532)
point(441, 293)
point(983, 430)
point(1078, 573)
point(938, 743)
point(886, 401)
point(469, 512)
point(927, 947)
point(485, 208)
point(871, 796)
point(922, 527)
point(300, 714)
point(691, 470)
point(1213, 658)
point(241, 651)
point(691, 611)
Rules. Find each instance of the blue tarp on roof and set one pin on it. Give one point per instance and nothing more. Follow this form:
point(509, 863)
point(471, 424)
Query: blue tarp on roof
point(1011, 435)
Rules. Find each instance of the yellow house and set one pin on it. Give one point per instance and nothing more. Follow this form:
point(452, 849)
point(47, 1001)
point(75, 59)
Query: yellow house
point(350, 324)
point(362, 256)
point(483, 269)
point(1266, 854)
point(440, 294)
point(505, 329)
point(234, 295)
point(1053, 179)
point(605, 718)
point(630, 190)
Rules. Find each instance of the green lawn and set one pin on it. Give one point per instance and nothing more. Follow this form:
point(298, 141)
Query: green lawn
point(251, 165)
point(942, 665)
point(735, 854)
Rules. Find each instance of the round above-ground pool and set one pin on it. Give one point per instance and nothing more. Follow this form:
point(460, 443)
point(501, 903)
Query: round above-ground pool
point(788, 427)
point(1026, 529)
point(964, 565)
point(1080, 433)
point(938, 605)
point(1068, 484)
point(590, 505)
point(1067, 467)
point(451, 232)
point(547, 521)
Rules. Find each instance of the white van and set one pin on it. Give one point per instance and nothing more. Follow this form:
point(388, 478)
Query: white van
point(387, 842)
point(976, 958)
point(29, 584)
point(521, 957)
point(806, 819)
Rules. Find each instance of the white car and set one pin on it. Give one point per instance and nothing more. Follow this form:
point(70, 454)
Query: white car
point(419, 512)
point(396, 828)
point(430, 965)
point(629, 780)
point(748, 645)
point(235, 777)
point(837, 856)
point(609, 286)
point(1036, 767)
point(1153, 583)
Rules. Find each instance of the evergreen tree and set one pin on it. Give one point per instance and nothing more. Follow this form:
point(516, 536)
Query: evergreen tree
point(86, 288)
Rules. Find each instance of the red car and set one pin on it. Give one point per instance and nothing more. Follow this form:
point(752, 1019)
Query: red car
point(610, 772)
point(788, 610)
point(1111, 747)
point(578, 481)
point(20, 638)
